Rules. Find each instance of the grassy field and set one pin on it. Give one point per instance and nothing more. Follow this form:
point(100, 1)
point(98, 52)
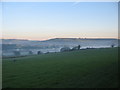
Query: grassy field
point(91, 68)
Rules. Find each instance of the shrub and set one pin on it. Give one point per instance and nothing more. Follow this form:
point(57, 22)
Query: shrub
point(30, 52)
point(64, 49)
point(16, 53)
point(112, 45)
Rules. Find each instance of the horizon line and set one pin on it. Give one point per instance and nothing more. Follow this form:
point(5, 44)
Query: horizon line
point(61, 38)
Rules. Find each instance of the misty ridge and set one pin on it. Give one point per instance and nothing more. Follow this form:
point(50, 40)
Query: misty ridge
point(52, 45)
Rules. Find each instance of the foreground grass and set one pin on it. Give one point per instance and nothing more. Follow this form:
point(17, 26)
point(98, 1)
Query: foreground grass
point(93, 68)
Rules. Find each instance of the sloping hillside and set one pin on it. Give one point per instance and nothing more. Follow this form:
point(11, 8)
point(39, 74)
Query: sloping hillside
point(92, 68)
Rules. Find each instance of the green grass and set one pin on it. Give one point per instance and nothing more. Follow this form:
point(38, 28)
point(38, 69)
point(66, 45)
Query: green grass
point(92, 68)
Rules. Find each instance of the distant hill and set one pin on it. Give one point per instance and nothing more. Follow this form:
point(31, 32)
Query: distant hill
point(54, 40)
point(8, 44)
point(66, 41)
point(77, 39)
point(19, 41)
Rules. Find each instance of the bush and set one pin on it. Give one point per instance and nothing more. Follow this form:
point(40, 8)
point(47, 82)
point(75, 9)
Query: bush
point(30, 52)
point(64, 49)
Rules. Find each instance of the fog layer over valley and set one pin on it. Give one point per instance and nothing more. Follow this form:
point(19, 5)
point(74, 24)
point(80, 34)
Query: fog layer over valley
point(28, 47)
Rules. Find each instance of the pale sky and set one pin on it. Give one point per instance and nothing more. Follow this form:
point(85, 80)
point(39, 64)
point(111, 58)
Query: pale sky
point(45, 20)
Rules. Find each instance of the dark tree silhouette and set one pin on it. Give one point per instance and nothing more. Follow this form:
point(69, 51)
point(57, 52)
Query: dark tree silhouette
point(112, 45)
point(39, 52)
point(79, 47)
point(76, 48)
